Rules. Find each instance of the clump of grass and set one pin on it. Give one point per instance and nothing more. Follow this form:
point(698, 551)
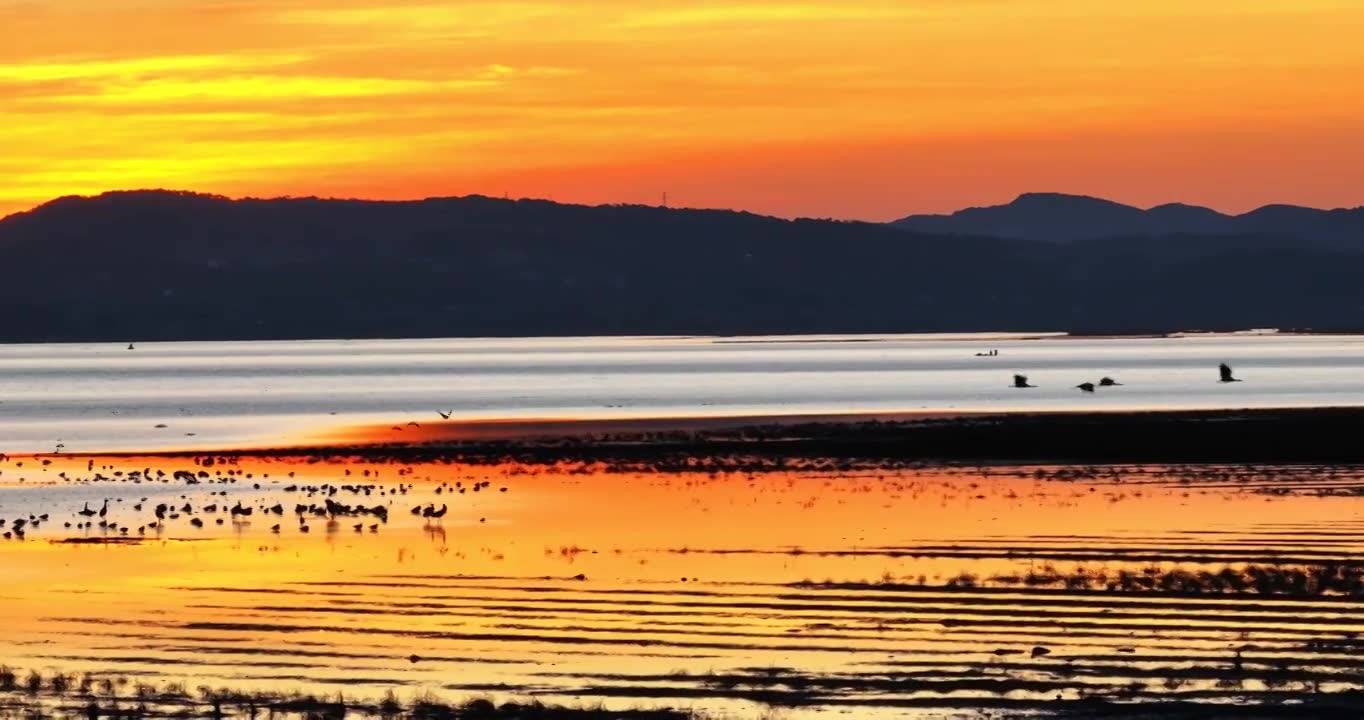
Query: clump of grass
point(60, 683)
point(172, 700)
point(964, 580)
point(389, 707)
point(427, 706)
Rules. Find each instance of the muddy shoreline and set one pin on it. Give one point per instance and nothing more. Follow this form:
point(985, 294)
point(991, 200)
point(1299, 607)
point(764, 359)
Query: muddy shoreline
point(1319, 435)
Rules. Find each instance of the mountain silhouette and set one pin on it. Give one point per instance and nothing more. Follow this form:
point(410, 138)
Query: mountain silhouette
point(1055, 217)
point(156, 265)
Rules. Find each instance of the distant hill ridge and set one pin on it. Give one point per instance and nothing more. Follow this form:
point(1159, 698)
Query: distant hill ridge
point(159, 265)
point(1057, 217)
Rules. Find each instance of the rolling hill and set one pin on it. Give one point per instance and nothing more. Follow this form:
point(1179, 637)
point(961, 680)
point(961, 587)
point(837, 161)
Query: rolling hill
point(1054, 217)
point(155, 265)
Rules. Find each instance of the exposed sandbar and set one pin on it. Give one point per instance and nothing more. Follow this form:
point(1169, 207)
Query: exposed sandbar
point(1320, 435)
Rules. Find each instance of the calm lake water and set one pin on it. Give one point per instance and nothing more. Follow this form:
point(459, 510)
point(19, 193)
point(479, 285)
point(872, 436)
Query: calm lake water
point(233, 394)
point(822, 589)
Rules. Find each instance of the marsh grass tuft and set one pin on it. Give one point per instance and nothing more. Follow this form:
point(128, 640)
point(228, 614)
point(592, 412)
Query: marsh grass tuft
point(49, 698)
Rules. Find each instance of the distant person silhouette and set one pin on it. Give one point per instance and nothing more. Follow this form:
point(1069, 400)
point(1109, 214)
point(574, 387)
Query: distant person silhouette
point(1225, 370)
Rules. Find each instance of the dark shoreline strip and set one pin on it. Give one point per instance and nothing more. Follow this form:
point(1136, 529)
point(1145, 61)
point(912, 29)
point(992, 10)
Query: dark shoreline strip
point(1269, 436)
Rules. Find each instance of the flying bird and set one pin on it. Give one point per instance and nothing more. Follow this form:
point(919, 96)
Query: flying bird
point(1108, 382)
point(1225, 370)
point(1086, 386)
point(1021, 381)
point(445, 415)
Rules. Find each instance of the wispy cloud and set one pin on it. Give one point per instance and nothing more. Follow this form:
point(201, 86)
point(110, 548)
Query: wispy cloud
point(258, 89)
point(131, 68)
point(286, 96)
point(724, 13)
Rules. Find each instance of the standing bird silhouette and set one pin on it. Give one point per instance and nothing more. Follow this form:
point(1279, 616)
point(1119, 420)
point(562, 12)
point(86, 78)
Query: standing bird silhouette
point(1225, 370)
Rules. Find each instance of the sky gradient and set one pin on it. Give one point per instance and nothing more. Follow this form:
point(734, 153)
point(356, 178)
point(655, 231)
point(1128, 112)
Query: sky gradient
point(845, 108)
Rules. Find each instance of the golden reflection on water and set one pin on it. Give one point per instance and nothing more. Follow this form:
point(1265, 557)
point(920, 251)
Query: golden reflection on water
point(566, 581)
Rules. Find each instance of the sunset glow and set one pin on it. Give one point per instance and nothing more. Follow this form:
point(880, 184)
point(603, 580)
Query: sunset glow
point(857, 108)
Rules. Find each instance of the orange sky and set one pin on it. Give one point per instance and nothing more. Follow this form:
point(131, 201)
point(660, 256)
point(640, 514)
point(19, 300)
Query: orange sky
point(849, 108)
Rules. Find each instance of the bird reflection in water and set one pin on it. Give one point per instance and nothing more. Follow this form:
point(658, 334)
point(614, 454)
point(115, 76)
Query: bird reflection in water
point(435, 533)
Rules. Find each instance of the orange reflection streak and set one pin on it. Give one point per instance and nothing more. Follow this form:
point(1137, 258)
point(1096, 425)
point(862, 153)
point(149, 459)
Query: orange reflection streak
point(551, 428)
point(693, 571)
point(857, 108)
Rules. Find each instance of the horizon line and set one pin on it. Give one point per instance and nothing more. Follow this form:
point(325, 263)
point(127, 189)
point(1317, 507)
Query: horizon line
point(670, 206)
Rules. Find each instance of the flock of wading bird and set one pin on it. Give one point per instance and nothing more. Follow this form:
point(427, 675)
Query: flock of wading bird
point(1021, 381)
point(329, 511)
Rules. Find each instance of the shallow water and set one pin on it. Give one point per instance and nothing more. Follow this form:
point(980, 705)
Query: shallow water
point(229, 395)
point(874, 593)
